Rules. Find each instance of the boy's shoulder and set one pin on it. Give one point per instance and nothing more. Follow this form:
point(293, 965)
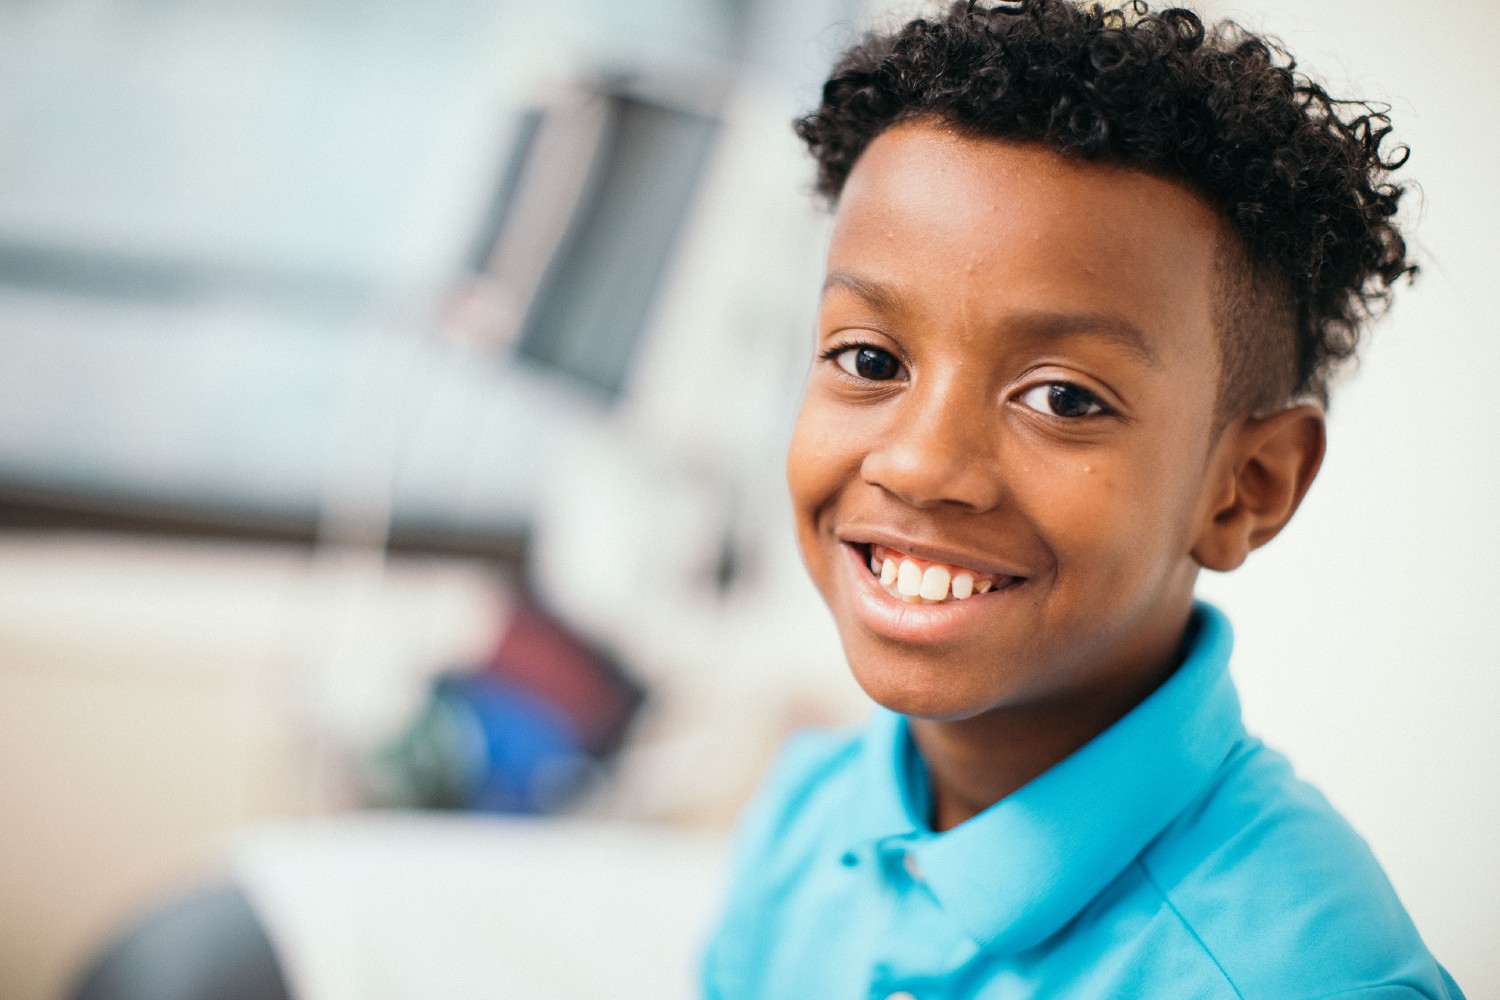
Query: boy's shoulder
point(786, 816)
point(1263, 865)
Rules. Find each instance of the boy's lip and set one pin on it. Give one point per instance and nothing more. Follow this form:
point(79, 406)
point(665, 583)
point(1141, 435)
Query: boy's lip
point(921, 624)
point(932, 552)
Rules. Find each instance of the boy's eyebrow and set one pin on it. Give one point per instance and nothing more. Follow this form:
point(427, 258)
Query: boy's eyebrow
point(1110, 326)
point(1037, 324)
point(881, 296)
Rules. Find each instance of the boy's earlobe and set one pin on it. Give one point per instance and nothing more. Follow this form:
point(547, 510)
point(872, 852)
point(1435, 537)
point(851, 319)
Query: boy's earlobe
point(1265, 469)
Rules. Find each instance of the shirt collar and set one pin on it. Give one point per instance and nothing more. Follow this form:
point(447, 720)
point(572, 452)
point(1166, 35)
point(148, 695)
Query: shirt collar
point(1014, 874)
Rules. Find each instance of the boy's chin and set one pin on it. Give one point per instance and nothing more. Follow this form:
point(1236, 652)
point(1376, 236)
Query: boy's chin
point(931, 691)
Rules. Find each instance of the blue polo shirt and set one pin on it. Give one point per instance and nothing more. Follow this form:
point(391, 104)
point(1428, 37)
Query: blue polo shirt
point(1173, 856)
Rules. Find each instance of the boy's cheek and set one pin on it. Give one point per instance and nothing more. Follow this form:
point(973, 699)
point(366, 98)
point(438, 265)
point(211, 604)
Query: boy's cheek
point(822, 457)
point(809, 485)
point(1124, 533)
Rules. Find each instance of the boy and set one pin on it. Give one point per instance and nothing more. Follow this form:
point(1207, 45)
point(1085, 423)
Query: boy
point(1089, 275)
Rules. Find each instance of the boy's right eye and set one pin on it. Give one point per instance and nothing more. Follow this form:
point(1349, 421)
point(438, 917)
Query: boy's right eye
point(866, 362)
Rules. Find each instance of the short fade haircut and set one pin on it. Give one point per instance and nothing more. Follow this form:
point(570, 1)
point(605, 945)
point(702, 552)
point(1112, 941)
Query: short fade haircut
point(1300, 175)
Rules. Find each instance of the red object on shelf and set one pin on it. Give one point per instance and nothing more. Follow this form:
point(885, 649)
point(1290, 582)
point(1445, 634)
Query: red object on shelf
point(540, 654)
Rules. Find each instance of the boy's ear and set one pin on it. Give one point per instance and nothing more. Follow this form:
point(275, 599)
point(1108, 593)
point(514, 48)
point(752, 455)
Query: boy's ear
point(1263, 470)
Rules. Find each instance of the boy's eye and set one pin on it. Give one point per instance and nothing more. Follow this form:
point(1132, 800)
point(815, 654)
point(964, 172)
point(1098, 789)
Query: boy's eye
point(1062, 399)
point(869, 363)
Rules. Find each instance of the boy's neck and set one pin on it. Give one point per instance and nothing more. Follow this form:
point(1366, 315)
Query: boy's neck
point(974, 763)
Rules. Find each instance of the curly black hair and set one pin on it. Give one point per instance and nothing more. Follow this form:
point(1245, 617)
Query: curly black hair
point(1301, 175)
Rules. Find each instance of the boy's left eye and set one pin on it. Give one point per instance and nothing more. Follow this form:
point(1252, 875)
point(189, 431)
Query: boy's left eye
point(1062, 399)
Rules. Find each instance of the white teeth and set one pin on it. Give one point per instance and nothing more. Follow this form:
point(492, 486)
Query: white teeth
point(935, 583)
point(926, 583)
point(963, 586)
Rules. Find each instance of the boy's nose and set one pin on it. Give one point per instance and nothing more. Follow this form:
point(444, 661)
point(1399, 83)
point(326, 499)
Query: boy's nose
point(939, 448)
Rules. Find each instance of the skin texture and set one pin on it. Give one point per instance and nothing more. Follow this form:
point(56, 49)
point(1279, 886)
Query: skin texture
point(991, 271)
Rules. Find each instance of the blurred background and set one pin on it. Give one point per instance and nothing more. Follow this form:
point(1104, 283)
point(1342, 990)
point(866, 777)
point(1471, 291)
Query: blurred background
point(392, 407)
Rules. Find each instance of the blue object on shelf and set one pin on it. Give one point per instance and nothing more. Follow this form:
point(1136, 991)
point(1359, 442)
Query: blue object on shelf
point(483, 743)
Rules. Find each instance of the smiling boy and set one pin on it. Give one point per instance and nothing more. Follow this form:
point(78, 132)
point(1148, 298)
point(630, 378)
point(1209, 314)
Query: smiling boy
point(1089, 274)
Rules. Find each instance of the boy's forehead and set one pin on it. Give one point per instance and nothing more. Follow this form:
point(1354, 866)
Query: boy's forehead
point(930, 213)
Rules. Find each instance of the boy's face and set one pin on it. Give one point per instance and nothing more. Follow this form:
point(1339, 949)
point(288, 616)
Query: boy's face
point(1017, 382)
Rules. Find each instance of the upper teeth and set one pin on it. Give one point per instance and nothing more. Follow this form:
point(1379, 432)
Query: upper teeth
point(919, 582)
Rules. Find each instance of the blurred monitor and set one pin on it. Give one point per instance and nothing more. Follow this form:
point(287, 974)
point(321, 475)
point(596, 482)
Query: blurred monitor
point(585, 221)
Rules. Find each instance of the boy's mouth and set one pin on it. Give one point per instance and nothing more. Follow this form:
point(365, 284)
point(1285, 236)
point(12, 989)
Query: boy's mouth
point(921, 581)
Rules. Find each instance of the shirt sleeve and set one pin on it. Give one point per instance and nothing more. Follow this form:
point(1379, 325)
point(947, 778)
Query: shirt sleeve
point(1401, 991)
point(755, 838)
